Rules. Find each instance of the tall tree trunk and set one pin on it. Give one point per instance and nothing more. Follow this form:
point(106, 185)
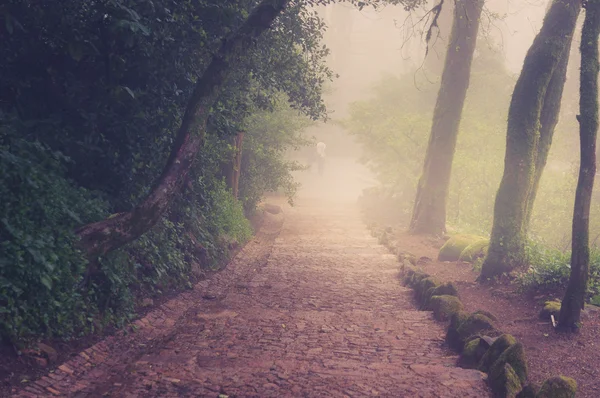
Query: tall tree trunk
point(231, 168)
point(507, 243)
point(548, 120)
point(103, 236)
point(573, 301)
point(429, 213)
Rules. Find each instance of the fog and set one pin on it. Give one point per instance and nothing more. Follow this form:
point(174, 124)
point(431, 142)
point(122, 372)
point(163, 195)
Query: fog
point(368, 44)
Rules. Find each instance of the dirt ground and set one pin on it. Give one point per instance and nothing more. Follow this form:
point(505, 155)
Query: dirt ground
point(312, 307)
point(548, 353)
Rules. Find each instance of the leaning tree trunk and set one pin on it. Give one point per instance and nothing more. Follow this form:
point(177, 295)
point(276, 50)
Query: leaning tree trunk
point(429, 213)
point(507, 243)
point(103, 236)
point(548, 120)
point(573, 301)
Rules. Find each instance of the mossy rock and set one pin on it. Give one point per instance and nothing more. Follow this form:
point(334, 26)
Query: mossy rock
point(417, 277)
point(474, 251)
point(550, 308)
point(486, 313)
point(558, 387)
point(423, 286)
point(473, 325)
point(406, 256)
point(515, 356)
point(447, 289)
point(505, 382)
point(495, 350)
point(527, 392)
point(454, 246)
point(444, 306)
point(452, 336)
point(472, 353)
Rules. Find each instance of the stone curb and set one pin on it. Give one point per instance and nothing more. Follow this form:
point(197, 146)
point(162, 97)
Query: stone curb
point(409, 272)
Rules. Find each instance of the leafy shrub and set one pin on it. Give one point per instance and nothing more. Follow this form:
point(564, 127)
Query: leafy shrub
point(549, 269)
point(40, 269)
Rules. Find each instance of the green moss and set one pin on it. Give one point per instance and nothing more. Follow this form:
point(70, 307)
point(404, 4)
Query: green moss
point(495, 350)
point(515, 356)
point(452, 336)
point(486, 313)
point(444, 306)
point(416, 277)
point(474, 324)
point(505, 382)
point(423, 286)
point(447, 289)
point(474, 349)
point(474, 251)
point(558, 387)
point(454, 246)
point(550, 308)
point(527, 392)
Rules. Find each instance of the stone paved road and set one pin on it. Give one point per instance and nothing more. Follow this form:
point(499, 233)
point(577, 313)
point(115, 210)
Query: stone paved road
point(317, 311)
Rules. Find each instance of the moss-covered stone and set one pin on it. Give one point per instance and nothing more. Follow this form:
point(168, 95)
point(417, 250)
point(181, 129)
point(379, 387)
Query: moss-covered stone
point(423, 286)
point(474, 251)
point(486, 313)
point(550, 308)
point(527, 392)
point(416, 277)
point(454, 246)
point(473, 325)
point(495, 350)
point(452, 336)
point(505, 382)
point(472, 353)
point(447, 288)
point(444, 306)
point(558, 387)
point(515, 356)
point(411, 258)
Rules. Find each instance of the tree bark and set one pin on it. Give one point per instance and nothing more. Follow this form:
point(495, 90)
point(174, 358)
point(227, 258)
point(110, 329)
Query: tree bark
point(101, 237)
point(573, 302)
point(508, 238)
point(548, 121)
point(429, 213)
point(231, 169)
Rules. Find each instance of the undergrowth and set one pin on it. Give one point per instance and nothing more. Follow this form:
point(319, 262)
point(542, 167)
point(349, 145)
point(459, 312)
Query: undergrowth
point(549, 270)
point(44, 292)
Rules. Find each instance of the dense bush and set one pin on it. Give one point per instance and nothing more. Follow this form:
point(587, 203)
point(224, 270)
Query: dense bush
point(40, 270)
point(549, 270)
point(95, 91)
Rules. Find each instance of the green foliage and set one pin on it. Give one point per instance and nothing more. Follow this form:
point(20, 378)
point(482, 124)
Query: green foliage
point(550, 268)
point(228, 215)
point(98, 90)
point(269, 136)
point(40, 270)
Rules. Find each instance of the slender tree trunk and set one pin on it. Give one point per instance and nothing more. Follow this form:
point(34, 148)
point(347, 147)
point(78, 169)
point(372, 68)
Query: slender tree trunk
point(573, 301)
point(548, 120)
point(429, 213)
point(103, 236)
point(237, 164)
point(231, 169)
point(508, 238)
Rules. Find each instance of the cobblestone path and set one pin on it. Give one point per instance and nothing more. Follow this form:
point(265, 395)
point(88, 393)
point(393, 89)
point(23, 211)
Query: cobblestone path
point(310, 309)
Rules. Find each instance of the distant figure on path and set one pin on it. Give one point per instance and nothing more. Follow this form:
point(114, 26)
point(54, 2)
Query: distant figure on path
point(321, 156)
